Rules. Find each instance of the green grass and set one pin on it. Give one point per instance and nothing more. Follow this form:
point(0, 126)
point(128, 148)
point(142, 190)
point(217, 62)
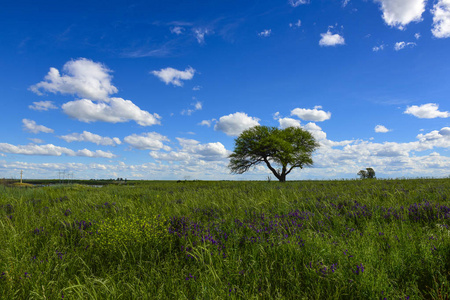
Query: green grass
point(365, 239)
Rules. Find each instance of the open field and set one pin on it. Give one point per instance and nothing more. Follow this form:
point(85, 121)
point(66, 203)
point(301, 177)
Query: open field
point(365, 239)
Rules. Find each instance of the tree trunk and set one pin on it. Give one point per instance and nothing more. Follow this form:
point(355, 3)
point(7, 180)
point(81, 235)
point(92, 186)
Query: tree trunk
point(281, 177)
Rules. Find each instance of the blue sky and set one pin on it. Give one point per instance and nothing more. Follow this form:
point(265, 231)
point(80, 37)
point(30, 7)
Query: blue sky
point(160, 89)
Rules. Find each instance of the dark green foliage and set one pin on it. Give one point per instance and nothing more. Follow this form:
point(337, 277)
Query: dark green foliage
point(281, 150)
point(368, 173)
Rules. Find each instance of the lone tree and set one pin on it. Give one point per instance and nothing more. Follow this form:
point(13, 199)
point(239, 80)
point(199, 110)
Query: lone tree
point(370, 173)
point(281, 150)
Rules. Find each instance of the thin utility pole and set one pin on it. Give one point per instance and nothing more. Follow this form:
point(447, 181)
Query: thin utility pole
point(21, 172)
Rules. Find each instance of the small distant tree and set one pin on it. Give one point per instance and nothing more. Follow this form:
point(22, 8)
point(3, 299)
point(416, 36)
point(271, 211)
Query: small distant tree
point(368, 173)
point(281, 150)
point(362, 174)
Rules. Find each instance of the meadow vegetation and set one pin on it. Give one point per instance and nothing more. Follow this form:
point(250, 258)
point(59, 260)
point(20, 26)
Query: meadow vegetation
point(358, 239)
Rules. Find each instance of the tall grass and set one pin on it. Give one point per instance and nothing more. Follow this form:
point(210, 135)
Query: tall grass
point(367, 239)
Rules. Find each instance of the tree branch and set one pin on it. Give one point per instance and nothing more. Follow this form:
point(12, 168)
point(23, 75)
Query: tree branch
point(272, 169)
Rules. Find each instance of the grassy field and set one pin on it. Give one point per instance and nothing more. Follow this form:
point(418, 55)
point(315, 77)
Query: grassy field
point(362, 239)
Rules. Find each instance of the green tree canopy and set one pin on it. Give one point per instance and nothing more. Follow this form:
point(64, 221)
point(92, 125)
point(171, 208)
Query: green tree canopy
point(370, 173)
point(281, 150)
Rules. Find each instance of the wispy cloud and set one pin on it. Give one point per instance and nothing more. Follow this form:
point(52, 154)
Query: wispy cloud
point(265, 33)
point(31, 126)
point(401, 45)
point(42, 105)
point(295, 3)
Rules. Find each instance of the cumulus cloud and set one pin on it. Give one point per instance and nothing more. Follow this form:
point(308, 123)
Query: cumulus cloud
point(381, 129)
point(117, 110)
point(329, 39)
point(147, 141)
point(426, 111)
point(196, 106)
point(435, 138)
point(207, 122)
point(174, 76)
point(42, 105)
point(87, 136)
point(316, 114)
point(316, 131)
point(31, 126)
point(83, 78)
point(265, 33)
point(401, 45)
point(208, 151)
point(193, 152)
point(288, 122)
point(441, 19)
point(295, 3)
point(51, 150)
point(399, 13)
point(234, 124)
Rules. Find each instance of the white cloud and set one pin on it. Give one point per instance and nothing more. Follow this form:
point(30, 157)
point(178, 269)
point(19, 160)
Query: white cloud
point(315, 114)
point(31, 126)
point(399, 13)
point(329, 39)
point(265, 33)
point(445, 131)
point(316, 131)
point(206, 122)
point(417, 35)
point(401, 45)
point(441, 19)
point(288, 122)
point(381, 129)
point(51, 150)
point(378, 48)
point(426, 111)
point(196, 88)
point(345, 2)
point(208, 152)
point(36, 141)
point(435, 138)
point(42, 105)
point(296, 24)
point(234, 124)
point(295, 3)
point(83, 77)
point(188, 112)
point(174, 76)
point(147, 141)
point(116, 111)
point(200, 33)
point(170, 156)
point(91, 137)
point(177, 30)
point(192, 152)
point(97, 153)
